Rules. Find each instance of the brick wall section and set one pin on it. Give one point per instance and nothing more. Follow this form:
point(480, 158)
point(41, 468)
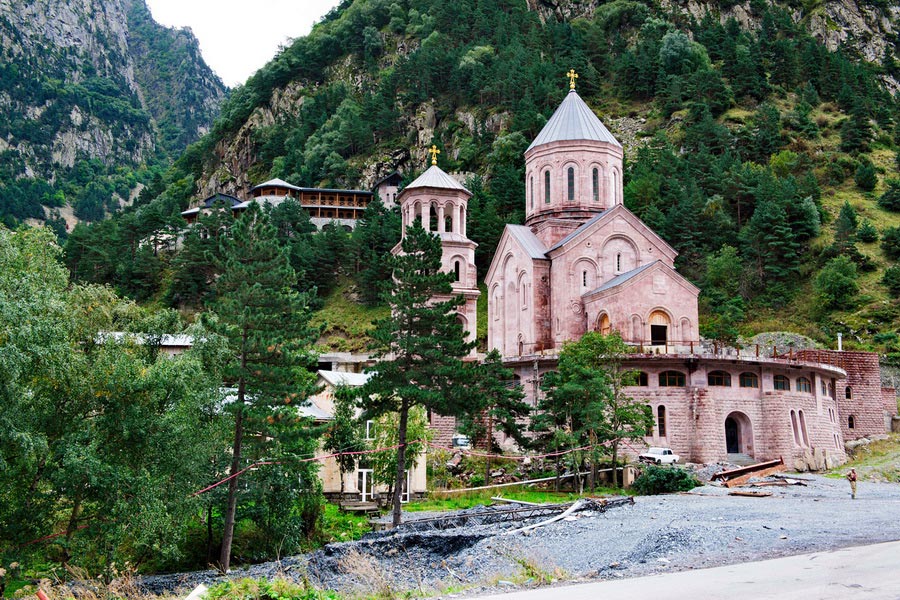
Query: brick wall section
point(696, 413)
point(866, 402)
point(443, 429)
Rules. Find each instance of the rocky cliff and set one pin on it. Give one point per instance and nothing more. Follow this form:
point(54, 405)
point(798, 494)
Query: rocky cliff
point(94, 80)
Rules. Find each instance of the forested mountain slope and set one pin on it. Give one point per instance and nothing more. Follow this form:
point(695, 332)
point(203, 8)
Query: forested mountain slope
point(90, 93)
point(760, 137)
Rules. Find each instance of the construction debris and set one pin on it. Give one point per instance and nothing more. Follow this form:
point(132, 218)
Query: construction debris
point(740, 476)
point(749, 493)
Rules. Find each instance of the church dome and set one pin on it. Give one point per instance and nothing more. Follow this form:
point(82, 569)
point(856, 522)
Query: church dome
point(435, 177)
point(573, 168)
point(573, 120)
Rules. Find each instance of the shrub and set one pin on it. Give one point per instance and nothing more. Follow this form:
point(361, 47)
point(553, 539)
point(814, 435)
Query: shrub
point(836, 283)
point(664, 480)
point(866, 176)
point(867, 232)
point(262, 589)
point(890, 242)
point(891, 280)
point(890, 199)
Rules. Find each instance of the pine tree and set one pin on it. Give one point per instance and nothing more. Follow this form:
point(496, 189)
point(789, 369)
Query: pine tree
point(845, 226)
point(890, 199)
point(866, 176)
point(422, 342)
point(501, 407)
point(374, 236)
point(265, 321)
point(867, 233)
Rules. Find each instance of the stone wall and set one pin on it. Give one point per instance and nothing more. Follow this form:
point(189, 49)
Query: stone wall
point(859, 395)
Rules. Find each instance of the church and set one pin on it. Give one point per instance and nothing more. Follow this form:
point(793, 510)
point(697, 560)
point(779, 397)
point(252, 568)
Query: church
point(584, 262)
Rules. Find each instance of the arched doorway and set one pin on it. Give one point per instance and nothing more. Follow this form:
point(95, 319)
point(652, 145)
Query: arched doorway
point(738, 434)
point(659, 328)
point(603, 324)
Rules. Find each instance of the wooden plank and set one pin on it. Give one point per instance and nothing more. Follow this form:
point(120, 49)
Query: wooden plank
point(738, 481)
point(749, 493)
point(748, 469)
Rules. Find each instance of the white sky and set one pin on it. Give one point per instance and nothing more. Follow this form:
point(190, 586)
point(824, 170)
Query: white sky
point(237, 37)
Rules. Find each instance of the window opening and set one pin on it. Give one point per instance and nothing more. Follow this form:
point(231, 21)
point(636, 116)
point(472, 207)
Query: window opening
point(571, 178)
point(531, 182)
point(749, 380)
point(619, 262)
point(661, 420)
point(456, 270)
point(643, 379)
point(848, 394)
point(782, 383)
point(595, 178)
point(804, 385)
point(671, 379)
point(794, 428)
point(851, 422)
point(719, 379)
point(546, 187)
point(803, 429)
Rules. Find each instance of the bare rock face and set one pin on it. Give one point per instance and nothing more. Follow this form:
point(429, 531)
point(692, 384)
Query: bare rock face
point(87, 84)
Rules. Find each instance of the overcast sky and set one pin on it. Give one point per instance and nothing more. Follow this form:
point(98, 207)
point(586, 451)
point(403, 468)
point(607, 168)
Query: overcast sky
point(237, 37)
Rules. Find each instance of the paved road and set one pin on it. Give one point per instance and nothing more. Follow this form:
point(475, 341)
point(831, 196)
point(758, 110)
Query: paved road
point(865, 572)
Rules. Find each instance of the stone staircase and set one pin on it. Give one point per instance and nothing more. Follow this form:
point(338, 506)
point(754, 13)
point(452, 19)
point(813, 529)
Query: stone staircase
point(741, 460)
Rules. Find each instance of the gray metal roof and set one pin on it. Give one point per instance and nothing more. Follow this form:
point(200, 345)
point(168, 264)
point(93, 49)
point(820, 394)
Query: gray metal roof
point(343, 378)
point(620, 279)
point(530, 242)
point(434, 177)
point(573, 120)
point(572, 235)
point(276, 183)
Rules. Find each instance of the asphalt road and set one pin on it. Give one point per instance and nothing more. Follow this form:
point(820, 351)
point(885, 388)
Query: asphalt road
point(869, 572)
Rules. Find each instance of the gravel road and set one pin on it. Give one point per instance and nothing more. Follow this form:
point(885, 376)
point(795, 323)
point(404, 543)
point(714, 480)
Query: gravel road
point(702, 528)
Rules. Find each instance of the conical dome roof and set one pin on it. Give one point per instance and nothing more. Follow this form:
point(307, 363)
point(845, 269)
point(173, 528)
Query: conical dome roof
point(573, 120)
point(435, 177)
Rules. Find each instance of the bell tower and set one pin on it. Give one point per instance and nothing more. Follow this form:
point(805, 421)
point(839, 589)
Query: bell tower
point(439, 203)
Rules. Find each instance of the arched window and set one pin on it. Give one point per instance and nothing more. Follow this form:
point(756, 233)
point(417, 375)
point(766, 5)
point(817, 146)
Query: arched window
point(749, 380)
point(848, 393)
point(570, 177)
point(851, 422)
point(448, 224)
point(718, 379)
point(671, 379)
point(524, 289)
point(804, 385)
point(782, 383)
point(795, 429)
point(595, 181)
point(531, 184)
point(456, 270)
point(803, 431)
point(824, 387)
point(546, 187)
point(661, 420)
point(642, 379)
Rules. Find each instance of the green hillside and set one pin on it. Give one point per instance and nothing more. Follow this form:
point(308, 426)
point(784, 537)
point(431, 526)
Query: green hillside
point(743, 143)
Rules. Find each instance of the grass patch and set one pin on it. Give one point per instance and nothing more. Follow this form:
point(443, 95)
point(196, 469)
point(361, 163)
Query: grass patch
point(347, 322)
point(448, 502)
point(878, 461)
point(340, 526)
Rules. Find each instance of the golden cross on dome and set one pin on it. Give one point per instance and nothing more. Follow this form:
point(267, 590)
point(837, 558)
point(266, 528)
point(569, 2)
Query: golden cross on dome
point(572, 75)
point(434, 152)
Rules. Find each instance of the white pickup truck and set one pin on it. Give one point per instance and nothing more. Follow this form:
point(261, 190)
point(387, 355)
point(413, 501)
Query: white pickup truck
point(659, 456)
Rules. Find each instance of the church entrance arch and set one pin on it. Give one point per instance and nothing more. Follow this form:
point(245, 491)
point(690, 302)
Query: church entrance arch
point(603, 324)
point(738, 434)
point(659, 328)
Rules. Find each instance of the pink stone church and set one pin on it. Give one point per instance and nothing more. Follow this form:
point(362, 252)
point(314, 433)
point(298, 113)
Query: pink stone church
point(583, 262)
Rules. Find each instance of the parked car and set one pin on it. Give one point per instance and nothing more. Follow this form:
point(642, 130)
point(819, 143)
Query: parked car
point(659, 456)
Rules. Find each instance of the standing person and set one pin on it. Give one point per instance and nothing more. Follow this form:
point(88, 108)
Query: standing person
point(851, 477)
